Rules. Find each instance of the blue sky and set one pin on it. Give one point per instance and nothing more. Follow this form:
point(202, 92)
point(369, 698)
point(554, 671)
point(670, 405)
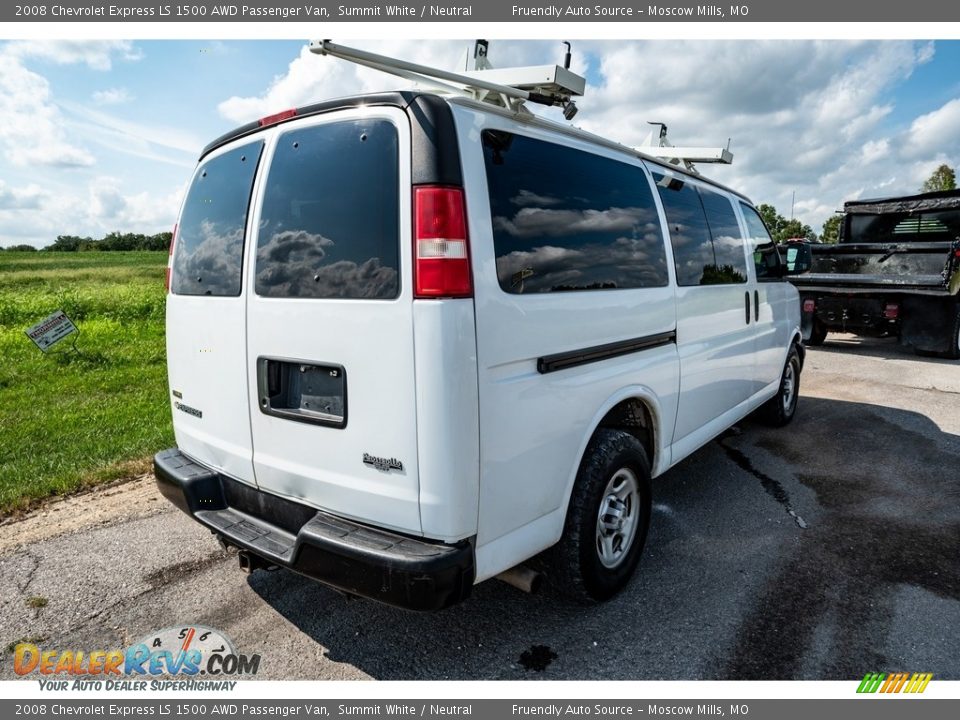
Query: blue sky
point(102, 135)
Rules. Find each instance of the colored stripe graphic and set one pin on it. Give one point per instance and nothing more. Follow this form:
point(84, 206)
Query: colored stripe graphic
point(894, 683)
point(871, 682)
point(918, 683)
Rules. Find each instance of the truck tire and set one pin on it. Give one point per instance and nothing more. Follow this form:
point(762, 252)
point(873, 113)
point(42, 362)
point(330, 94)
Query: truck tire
point(780, 409)
point(818, 334)
point(953, 342)
point(607, 520)
point(954, 352)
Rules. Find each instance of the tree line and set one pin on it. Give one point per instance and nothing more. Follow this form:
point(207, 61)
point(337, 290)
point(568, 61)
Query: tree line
point(110, 241)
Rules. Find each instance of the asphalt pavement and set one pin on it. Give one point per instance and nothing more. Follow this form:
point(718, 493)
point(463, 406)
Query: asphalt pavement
point(823, 550)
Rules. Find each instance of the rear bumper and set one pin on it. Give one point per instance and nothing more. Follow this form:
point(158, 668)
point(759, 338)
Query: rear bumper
point(373, 563)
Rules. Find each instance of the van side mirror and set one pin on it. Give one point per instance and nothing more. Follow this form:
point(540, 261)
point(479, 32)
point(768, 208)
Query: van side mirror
point(799, 258)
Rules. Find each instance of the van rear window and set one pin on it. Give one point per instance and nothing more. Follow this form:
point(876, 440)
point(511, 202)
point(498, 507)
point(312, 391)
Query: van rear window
point(208, 253)
point(564, 219)
point(330, 223)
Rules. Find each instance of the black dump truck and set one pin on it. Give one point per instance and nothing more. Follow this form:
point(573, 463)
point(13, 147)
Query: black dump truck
point(894, 272)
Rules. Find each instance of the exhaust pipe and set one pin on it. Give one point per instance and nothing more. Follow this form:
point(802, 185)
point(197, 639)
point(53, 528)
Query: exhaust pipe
point(246, 562)
point(522, 578)
point(250, 562)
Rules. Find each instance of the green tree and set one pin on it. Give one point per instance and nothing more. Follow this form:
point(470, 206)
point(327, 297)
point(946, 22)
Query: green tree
point(943, 178)
point(782, 229)
point(796, 229)
point(22, 248)
point(831, 229)
point(771, 218)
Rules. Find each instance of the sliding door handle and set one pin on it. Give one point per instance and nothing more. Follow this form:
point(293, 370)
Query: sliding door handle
point(746, 300)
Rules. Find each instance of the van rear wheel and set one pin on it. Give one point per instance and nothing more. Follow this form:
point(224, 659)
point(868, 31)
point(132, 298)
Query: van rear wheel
point(607, 520)
point(780, 409)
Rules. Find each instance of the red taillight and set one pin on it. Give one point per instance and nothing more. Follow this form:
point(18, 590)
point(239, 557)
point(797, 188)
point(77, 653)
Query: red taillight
point(277, 117)
point(441, 253)
point(809, 305)
point(891, 311)
point(173, 239)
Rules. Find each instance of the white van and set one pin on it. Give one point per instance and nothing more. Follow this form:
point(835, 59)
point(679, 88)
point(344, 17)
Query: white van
point(415, 340)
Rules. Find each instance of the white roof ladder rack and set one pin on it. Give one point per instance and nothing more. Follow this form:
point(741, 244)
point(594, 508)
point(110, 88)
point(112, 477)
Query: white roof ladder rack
point(551, 85)
point(685, 156)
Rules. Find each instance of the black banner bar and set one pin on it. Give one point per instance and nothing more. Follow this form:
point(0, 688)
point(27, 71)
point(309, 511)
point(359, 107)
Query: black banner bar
point(512, 11)
point(229, 708)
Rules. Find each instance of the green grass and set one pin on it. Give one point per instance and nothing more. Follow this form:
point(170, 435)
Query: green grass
point(69, 420)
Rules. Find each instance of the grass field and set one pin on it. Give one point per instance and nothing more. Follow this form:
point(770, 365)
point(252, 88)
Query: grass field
point(71, 419)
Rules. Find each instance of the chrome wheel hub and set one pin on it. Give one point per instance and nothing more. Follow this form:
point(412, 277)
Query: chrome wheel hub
point(789, 386)
point(617, 517)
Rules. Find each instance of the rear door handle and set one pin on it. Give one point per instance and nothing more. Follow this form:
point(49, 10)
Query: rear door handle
point(756, 306)
point(746, 299)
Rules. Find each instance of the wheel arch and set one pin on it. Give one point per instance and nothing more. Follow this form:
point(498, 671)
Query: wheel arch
point(797, 341)
point(634, 409)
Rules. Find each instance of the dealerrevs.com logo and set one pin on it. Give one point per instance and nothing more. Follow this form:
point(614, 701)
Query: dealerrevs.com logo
point(894, 683)
point(186, 653)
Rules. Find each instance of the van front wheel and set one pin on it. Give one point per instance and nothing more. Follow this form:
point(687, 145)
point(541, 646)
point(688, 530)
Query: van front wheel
point(607, 520)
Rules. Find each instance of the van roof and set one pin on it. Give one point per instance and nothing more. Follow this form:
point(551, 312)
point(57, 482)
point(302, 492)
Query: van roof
point(404, 98)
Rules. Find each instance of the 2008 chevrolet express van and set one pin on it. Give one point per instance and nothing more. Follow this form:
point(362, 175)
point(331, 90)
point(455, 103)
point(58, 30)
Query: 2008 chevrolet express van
point(415, 340)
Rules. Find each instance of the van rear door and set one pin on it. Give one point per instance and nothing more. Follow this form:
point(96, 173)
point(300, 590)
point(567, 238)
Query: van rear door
point(206, 313)
point(330, 356)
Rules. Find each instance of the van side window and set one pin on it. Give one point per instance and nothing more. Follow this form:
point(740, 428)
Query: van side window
point(704, 253)
point(728, 246)
point(208, 249)
point(565, 220)
point(689, 232)
point(330, 223)
point(766, 257)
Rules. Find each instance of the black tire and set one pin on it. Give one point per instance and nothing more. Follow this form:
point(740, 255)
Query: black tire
point(817, 334)
point(577, 565)
point(953, 349)
point(780, 409)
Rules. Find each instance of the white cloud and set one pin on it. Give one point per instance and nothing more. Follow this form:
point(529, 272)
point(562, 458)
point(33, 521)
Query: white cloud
point(31, 131)
point(136, 138)
point(875, 150)
point(102, 206)
point(30, 197)
point(95, 54)
point(109, 207)
point(935, 133)
point(112, 96)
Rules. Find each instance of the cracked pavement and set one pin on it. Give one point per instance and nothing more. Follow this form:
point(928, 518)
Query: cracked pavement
point(818, 551)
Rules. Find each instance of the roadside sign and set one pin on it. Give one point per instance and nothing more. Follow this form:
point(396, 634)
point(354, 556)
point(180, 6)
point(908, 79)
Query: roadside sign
point(51, 330)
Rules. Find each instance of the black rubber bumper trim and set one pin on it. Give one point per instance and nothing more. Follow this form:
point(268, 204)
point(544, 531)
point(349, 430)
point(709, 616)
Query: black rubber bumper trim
point(582, 356)
point(392, 568)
